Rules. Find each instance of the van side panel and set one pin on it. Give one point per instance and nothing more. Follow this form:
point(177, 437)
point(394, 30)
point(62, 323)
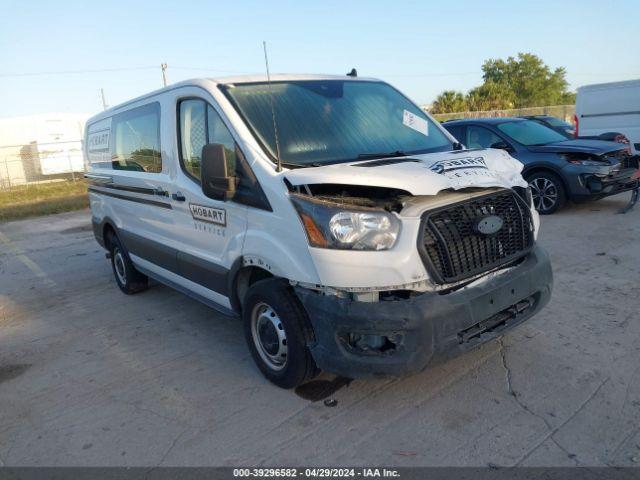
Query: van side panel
point(610, 108)
point(149, 220)
point(276, 241)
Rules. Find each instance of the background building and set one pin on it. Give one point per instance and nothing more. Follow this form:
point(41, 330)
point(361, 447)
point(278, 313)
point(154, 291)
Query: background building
point(40, 147)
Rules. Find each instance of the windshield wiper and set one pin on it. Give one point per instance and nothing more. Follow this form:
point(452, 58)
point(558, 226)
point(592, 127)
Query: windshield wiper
point(397, 153)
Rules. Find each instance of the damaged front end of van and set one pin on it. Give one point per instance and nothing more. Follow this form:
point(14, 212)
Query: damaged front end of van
point(421, 257)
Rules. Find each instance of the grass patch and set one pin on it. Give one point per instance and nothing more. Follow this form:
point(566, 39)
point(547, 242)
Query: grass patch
point(42, 199)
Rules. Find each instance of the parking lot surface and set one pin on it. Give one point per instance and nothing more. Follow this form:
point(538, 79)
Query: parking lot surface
point(89, 376)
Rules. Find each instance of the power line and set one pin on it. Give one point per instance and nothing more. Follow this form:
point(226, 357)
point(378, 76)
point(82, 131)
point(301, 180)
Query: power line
point(430, 74)
point(121, 69)
point(202, 69)
point(73, 72)
point(236, 72)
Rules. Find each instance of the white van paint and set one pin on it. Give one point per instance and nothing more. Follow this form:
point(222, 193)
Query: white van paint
point(152, 214)
point(610, 107)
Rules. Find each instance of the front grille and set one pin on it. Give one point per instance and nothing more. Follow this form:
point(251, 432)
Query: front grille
point(453, 249)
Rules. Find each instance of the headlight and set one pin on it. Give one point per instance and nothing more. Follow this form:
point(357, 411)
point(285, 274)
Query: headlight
point(339, 226)
point(589, 163)
point(577, 160)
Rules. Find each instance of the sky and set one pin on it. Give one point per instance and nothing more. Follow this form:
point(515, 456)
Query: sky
point(421, 47)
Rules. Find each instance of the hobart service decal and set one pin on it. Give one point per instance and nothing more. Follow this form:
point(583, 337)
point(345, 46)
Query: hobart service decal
point(459, 164)
point(463, 171)
point(209, 214)
point(98, 141)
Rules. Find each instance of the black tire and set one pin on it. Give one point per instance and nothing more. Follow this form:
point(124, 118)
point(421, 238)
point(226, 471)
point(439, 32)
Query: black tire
point(129, 279)
point(276, 328)
point(549, 194)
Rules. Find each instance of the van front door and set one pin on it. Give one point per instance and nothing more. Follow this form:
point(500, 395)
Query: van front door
point(211, 231)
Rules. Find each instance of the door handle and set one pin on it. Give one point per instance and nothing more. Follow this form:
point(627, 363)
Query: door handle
point(178, 197)
point(161, 192)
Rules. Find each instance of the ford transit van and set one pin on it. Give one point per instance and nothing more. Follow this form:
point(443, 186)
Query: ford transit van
point(347, 229)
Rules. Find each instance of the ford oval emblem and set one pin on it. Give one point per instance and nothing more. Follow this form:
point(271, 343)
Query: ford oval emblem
point(489, 225)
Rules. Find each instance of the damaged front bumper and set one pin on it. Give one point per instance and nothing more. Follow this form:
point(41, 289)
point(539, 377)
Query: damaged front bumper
point(362, 339)
point(588, 183)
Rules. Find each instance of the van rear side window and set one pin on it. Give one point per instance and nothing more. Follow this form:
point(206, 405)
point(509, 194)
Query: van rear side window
point(136, 142)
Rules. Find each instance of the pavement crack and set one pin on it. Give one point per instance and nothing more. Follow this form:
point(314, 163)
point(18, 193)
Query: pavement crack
point(625, 439)
point(555, 430)
point(171, 447)
point(507, 370)
point(513, 393)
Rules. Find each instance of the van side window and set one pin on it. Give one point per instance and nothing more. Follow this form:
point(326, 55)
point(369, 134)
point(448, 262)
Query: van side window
point(193, 131)
point(136, 144)
point(197, 130)
point(219, 133)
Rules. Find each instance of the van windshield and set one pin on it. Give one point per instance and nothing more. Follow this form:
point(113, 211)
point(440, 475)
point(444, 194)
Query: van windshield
point(320, 122)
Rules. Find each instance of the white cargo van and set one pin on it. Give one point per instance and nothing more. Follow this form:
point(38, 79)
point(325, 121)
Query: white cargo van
point(379, 246)
point(609, 108)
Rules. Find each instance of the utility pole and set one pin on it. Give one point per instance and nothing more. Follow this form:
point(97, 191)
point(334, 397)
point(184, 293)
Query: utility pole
point(163, 66)
point(104, 101)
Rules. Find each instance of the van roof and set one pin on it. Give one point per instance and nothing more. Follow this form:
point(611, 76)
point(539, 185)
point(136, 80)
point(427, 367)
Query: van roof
point(280, 77)
point(603, 86)
point(212, 82)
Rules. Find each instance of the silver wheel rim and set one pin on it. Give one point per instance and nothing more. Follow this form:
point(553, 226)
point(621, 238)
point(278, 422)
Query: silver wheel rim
point(268, 336)
point(544, 192)
point(119, 266)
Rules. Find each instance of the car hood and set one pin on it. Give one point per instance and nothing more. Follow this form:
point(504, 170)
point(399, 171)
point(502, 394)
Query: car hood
point(425, 174)
point(596, 147)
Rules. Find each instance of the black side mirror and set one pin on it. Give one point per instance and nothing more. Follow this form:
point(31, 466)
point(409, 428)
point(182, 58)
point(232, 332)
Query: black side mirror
point(501, 145)
point(217, 182)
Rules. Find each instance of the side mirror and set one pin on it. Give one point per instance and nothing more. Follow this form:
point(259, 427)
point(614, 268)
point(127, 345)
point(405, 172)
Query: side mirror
point(216, 180)
point(501, 145)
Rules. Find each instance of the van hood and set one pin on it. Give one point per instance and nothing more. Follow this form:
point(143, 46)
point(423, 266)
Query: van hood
point(595, 147)
point(425, 174)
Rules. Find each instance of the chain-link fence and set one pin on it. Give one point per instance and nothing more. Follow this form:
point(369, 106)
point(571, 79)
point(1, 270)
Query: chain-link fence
point(564, 112)
point(35, 163)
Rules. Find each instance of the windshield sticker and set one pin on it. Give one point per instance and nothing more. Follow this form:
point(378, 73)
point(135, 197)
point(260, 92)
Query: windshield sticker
point(208, 214)
point(459, 164)
point(415, 122)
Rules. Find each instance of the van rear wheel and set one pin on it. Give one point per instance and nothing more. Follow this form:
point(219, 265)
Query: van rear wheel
point(129, 279)
point(274, 326)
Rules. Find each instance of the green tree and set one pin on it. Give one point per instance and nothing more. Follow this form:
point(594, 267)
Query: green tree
point(490, 96)
point(449, 101)
point(523, 81)
point(528, 81)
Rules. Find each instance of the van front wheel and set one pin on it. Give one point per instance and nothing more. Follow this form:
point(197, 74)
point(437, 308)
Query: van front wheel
point(129, 280)
point(274, 323)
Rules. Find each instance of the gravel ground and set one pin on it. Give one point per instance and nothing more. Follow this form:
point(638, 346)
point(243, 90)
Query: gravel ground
point(89, 376)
